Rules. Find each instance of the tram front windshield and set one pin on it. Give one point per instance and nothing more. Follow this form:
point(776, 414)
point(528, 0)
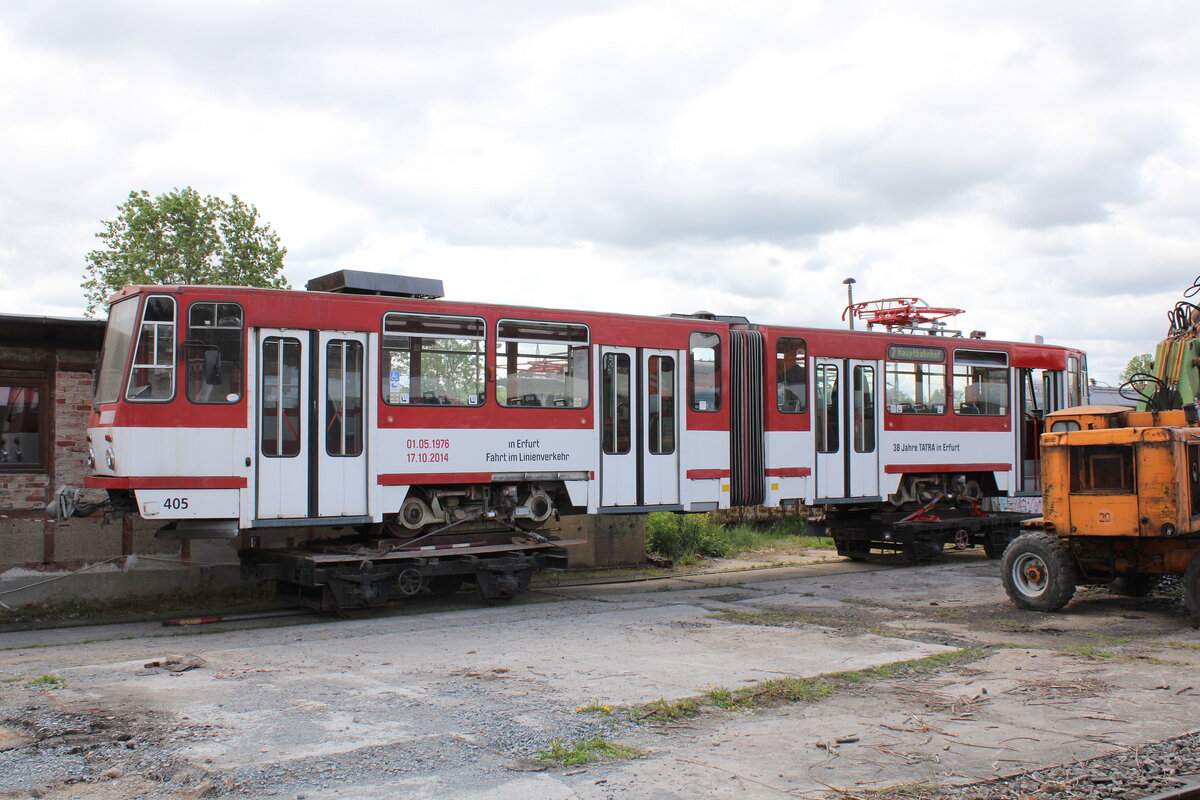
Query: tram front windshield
point(121, 320)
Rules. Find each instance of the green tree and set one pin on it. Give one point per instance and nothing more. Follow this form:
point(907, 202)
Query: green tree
point(1142, 363)
point(182, 238)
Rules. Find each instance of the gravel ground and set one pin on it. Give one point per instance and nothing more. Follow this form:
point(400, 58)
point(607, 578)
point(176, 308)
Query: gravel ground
point(460, 703)
point(1137, 773)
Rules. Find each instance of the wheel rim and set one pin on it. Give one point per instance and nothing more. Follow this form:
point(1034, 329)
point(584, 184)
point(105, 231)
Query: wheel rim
point(1030, 575)
point(408, 582)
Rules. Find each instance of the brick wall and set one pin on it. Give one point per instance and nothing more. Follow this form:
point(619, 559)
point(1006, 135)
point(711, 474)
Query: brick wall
point(72, 406)
point(28, 536)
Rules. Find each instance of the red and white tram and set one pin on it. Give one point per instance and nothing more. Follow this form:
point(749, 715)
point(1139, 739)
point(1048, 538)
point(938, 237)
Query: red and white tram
point(371, 402)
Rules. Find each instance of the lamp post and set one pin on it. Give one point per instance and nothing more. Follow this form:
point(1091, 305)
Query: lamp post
point(850, 299)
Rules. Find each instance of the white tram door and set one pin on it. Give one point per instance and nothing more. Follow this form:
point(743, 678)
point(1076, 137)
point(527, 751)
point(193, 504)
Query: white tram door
point(845, 428)
point(282, 424)
point(341, 439)
point(660, 422)
point(862, 455)
point(639, 427)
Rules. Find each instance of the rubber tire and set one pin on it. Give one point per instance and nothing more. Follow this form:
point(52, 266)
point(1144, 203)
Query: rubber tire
point(989, 548)
point(1039, 554)
point(1191, 590)
point(1131, 585)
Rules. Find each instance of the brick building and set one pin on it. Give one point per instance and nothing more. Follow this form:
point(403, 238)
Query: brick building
point(46, 367)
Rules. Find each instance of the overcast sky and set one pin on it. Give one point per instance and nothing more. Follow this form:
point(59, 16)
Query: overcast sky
point(1037, 164)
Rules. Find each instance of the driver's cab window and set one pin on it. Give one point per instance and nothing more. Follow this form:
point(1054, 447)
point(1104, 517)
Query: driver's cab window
point(153, 375)
point(213, 352)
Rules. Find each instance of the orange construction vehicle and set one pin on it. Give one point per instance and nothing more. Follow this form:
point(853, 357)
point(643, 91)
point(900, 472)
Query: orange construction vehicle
point(1120, 487)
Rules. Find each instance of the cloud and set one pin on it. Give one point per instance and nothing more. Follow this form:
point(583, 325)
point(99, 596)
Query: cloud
point(1036, 164)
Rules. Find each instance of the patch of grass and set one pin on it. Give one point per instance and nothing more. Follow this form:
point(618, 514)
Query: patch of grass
point(666, 711)
point(780, 619)
point(949, 613)
point(10, 680)
point(779, 691)
point(687, 537)
point(48, 682)
point(722, 698)
point(586, 751)
point(595, 707)
point(1177, 645)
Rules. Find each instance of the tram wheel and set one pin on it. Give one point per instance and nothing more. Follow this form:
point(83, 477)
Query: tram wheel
point(1039, 572)
point(1191, 590)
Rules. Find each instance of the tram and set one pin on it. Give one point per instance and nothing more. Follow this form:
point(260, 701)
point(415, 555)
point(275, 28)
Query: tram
point(369, 401)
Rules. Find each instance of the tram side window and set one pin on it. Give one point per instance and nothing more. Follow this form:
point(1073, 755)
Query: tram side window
point(1104, 469)
point(914, 387)
point(541, 364)
point(433, 360)
point(661, 418)
point(791, 376)
point(153, 375)
point(344, 398)
point(980, 383)
point(826, 424)
point(213, 350)
point(280, 424)
point(704, 371)
point(616, 403)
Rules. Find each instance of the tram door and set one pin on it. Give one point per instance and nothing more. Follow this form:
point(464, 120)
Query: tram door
point(639, 427)
point(282, 424)
point(311, 424)
point(845, 428)
point(342, 437)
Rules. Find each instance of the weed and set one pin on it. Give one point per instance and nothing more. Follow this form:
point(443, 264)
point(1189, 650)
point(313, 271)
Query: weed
point(10, 680)
point(587, 751)
point(48, 681)
point(595, 707)
point(1177, 645)
point(685, 537)
point(665, 711)
point(800, 690)
point(721, 697)
point(949, 613)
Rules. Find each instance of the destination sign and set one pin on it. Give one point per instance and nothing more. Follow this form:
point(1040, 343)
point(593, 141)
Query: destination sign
point(905, 352)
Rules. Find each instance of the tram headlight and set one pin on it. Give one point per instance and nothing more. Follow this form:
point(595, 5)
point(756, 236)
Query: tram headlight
point(91, 460)
point(110, 461)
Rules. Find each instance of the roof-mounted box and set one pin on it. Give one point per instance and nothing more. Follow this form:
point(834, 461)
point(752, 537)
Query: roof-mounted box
point(353, 281)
